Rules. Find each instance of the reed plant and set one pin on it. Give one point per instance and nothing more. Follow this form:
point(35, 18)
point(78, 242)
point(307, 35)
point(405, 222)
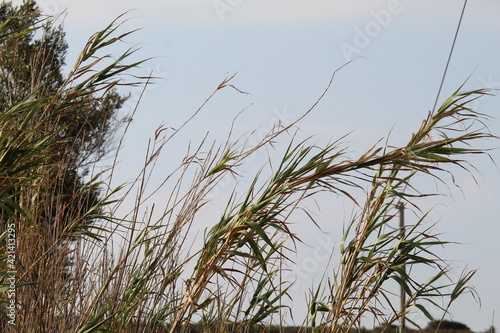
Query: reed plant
point(111, 268)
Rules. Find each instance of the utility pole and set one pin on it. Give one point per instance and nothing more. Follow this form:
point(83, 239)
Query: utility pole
point(402, 294)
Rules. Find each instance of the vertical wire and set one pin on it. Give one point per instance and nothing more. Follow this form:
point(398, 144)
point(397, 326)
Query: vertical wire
point(449, 57)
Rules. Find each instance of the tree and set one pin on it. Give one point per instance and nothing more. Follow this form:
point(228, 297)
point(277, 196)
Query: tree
point(53, 126)
point(447, 325)
point(31, 66)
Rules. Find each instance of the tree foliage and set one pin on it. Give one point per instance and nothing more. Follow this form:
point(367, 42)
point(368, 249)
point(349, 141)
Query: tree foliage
point(32, 68)
point(447, 325)
point(55, 123)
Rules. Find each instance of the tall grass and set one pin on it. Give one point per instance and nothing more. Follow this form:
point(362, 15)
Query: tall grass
point(139, 272)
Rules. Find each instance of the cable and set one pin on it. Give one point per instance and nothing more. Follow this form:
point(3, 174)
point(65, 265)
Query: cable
point(449, 57)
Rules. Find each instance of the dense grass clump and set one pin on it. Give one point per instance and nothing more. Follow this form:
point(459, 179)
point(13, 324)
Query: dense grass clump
point(80, 265)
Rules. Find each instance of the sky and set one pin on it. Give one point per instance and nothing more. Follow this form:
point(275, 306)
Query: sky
point(284, 53)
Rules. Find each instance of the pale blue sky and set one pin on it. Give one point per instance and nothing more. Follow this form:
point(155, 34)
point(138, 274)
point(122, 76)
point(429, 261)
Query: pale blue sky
point(285, 52)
